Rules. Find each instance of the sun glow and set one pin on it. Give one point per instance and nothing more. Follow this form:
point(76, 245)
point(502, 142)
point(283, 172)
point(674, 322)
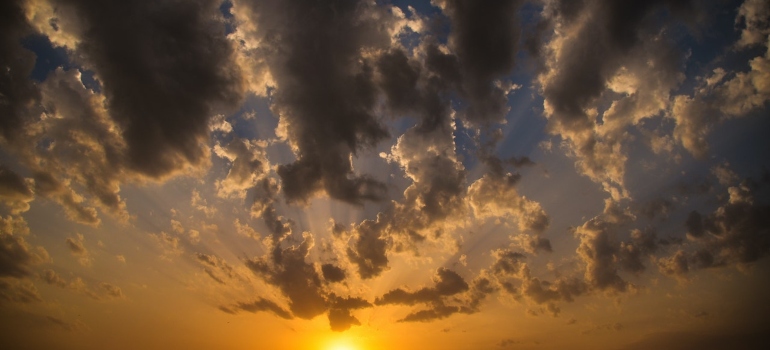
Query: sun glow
point(341, 343)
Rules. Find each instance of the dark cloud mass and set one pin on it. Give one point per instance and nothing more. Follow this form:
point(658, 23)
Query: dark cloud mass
point(18, 94)
point(166, 68)
point(325, 94)
point(485, 38)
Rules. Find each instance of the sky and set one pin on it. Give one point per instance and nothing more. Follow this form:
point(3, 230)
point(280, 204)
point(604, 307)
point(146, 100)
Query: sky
point(380, 174)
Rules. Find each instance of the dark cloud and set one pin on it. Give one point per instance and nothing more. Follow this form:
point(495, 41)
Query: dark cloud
point(485, 39)
point(447, 285)
point(18, 94)
point(325, 92)
point(598, 249)
point(332, 273)
point(369, 251)
point(513, 274)
point(166, 68)
point(340, 318)
point(14, 191)
point(738, 232)
point(264, 305)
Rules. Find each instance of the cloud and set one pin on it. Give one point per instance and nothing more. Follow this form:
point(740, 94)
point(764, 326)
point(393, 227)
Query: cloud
point(601, 251)
point(600, 47)
point(332, 273)
point(18, 291)
point(15, 191)
point(735, 233)
point(484, 39)
point(217, 268)
point(324, 91)
point(97, 291)
point(79, 250)
point(297, 279)
point(18, 93)
point(72, 203)
point(111, 291)
point(84, 143)
point(447, 284)
point(496, 196)
point(722, 95)
point(264, 305)
point(249, 162)
point(16, 255)
point(513, 274)
point(369, 250)
point(166, 68)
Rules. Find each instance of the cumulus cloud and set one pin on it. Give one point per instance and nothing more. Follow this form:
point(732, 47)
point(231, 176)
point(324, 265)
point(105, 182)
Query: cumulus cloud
point(512, 273)
point(248, 164)
point(157, 93)
point(721, 95)
point(735, 233)
point(325, 103)
point(496, 196)
point(600, 47)
point(484, 39)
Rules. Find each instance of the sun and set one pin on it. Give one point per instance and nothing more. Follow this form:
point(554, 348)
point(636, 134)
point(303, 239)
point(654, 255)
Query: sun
point(341, 343)
point(342, 347)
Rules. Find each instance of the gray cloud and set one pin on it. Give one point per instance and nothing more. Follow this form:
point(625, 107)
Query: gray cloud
point(332, 273)
point(166, 68)
point(722, 95)
point(484, 38)
point(297, 279)
point(587, 59)
point(369, 251)
point(264, 305)
point(449, 295)
point(735, 233)
point(17, 92)
point(324, 91)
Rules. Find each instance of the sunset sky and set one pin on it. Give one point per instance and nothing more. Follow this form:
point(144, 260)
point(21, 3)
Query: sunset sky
point(384, 174)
